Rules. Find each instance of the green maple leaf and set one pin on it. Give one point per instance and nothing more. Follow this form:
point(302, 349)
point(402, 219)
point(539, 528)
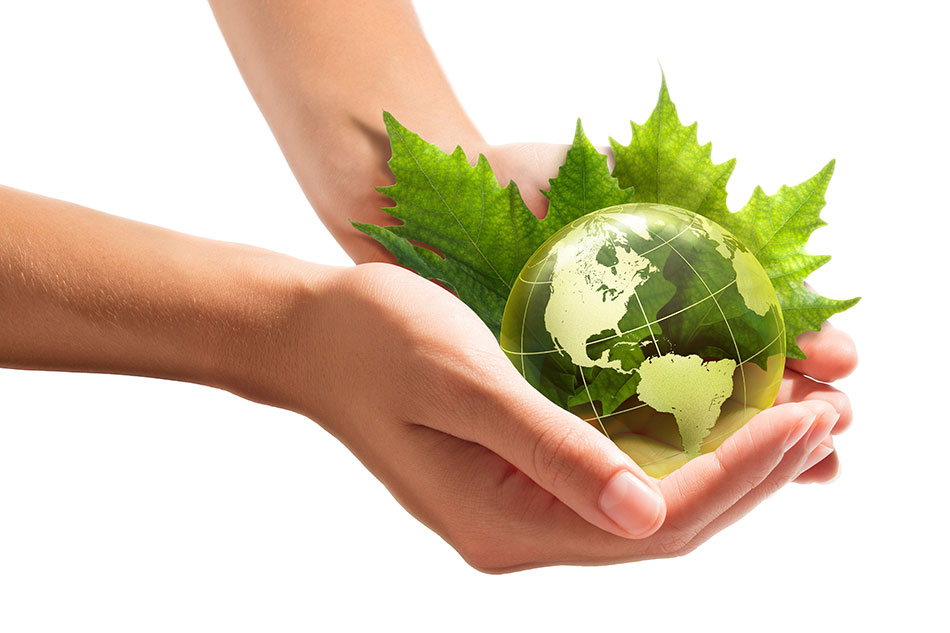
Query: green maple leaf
point(484, 231)
point(665, 163)
point(776, 228)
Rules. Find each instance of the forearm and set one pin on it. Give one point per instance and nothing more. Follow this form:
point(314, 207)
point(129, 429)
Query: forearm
point(85, 291)
point(322, 73)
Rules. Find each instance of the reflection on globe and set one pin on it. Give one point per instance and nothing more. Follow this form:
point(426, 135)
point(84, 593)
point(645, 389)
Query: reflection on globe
point(652, 323)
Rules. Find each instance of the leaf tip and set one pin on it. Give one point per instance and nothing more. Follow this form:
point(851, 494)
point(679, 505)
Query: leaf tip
point(580, 138)
point(394, 127)
point(792, 350)
point(363, 227)
point(664, 89)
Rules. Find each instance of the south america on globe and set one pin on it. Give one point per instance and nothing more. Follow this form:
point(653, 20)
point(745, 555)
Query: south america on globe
point(667, 329)
point(652, 323)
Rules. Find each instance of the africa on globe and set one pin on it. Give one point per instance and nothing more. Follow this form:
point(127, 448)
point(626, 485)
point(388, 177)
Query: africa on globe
point(654, 324)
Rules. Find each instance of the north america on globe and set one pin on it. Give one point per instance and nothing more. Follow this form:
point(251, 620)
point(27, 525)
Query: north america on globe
point(639, 301)
point(654, 324)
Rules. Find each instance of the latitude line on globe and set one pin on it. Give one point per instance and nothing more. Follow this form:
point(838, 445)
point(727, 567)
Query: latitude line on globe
point(752, 357)
point(524, 317)
point(745, 393)
point(641, 405)
point(646, 252)
point(639, 327)
point(633, 289)
point(590, 400)
point(618, 412)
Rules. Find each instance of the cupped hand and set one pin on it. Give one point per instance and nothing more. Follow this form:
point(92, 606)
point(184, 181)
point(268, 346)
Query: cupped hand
point(831, 353)
point(417, 387)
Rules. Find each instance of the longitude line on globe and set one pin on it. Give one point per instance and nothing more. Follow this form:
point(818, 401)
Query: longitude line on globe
point(633, 289)
point(592, 406)
point(643, 254)
point(524, 317)
point(639, 327)
point(745, 393)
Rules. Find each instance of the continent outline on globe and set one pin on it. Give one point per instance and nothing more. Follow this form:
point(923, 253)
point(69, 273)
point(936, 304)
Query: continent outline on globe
point(612, 312)
point(473, 234)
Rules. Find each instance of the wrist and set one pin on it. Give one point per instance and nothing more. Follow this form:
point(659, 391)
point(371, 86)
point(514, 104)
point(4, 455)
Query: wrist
point(252, 351)
point(340, 169)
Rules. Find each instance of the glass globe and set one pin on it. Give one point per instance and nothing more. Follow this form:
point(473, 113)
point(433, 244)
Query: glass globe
point(652, 323)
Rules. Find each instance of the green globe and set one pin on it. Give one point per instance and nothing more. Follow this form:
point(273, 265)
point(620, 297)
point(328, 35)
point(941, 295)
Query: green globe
point(654, 324)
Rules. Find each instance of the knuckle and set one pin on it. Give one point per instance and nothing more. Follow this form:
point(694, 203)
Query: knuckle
point(558, 455)
point(476, 380)
point(673, 545)
point(842, 404)
point(740, 477)
point(484, 555)
point(463, 377)
point(769, 487)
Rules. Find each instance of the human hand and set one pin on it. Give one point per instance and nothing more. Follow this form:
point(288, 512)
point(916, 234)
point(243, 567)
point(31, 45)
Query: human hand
point(416, 386)
point(831, 353)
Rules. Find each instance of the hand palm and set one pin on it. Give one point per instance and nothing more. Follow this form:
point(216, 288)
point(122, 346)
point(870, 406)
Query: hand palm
point(831, 352)
point(501, 519)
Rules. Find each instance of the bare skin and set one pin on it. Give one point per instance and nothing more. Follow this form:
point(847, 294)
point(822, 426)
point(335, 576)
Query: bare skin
point(322, 73)
point(393, 365)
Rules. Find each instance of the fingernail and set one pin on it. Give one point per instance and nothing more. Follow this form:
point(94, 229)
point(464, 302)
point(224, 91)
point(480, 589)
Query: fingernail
point(826, 422)
point(799, 432)
point(817, 455)
point(631, 504)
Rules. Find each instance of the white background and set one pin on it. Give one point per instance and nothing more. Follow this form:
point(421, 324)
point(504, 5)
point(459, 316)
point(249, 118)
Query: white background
point(130, 504)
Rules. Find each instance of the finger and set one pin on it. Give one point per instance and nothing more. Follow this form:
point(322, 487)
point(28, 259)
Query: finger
point(531, 166)
point(705, 489)
point(821, 452)
point(583, 468)
point(789, 467)
point(608, 151)
point(830, 354)
point(560, 452)
point(709, 486)
point(824, 472)
point(798, 388)
point(822, 464)
point(495, 516)
point(484, 508)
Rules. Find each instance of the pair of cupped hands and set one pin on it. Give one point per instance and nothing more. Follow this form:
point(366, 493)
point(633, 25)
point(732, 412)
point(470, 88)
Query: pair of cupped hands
point(416, 386)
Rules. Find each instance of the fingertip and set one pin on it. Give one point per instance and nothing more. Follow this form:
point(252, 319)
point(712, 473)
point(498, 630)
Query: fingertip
point(820, 408)
point(633, 505)
point(798, 431)
point(825, 471)
point(714, 482)
point(830, 354)
point(798, 388)
point(842, 354)
point(841, 404)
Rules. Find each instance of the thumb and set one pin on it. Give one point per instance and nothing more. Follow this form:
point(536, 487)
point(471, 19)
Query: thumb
point(567, 457)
